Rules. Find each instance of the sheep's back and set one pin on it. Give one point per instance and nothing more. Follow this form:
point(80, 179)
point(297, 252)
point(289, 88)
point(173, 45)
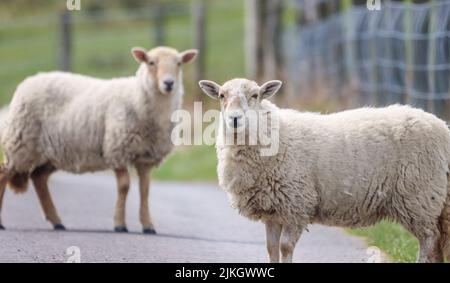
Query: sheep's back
point(51, 116)
point(368, 160)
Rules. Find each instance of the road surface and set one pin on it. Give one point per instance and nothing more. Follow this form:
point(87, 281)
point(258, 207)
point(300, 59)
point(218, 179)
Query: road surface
point(194, 224)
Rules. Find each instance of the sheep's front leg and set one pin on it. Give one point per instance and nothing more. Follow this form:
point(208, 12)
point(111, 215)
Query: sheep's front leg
point(273, 233)
point(3, 180)
point(123, 186)
point(144, 187)
point(289, 238)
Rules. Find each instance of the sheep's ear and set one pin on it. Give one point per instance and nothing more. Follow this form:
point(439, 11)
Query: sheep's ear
point(269, 88)
point(210, 88)
point(188, 55)
point(140, 54)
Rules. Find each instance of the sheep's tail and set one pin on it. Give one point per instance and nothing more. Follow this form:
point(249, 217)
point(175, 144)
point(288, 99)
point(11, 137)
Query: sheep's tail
point(445, 223)
point(18, 183)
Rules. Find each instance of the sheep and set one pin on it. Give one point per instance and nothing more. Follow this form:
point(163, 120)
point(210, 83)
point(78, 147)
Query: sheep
point(348, 169)
point(75, 123)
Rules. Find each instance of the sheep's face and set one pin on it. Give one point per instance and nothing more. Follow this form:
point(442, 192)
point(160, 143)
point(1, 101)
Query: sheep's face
point(239, 97)
point(163, 66)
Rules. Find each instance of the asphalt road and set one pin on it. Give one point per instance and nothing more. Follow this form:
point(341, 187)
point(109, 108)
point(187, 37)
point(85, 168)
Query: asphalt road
point(194, 224)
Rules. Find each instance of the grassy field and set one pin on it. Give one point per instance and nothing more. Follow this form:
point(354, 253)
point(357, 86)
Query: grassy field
point(102, 45)
point(392, 238)
point(194, 163)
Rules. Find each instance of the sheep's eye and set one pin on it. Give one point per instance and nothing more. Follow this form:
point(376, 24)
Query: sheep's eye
point(255, 96)
point(151, 63)
point(221, 96)
point(179, 63)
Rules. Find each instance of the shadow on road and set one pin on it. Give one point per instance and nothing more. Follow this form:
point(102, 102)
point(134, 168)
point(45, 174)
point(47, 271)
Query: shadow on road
point(162, 235)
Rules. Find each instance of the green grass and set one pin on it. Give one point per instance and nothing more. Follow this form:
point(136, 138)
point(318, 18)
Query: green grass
point(392, 238)
point(194, 163)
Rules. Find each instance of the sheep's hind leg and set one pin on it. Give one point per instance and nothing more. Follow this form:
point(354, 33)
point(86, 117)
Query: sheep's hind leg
point(144, 187)
point(429, 250)
point(426, 229)
point(428, 235)
point(273, 233)
point(39, 178)
point(3, 181)
point(123, 186)
point(289, 238)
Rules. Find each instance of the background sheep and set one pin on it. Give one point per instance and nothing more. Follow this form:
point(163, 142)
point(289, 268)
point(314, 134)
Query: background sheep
point(63, 121)
point(348, 169)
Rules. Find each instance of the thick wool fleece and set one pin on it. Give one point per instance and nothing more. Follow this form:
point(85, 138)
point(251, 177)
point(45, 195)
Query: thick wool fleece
point(348, 169)
point(81, 124)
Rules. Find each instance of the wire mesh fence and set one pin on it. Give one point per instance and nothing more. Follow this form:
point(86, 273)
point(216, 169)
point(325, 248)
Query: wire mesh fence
point(400, 54)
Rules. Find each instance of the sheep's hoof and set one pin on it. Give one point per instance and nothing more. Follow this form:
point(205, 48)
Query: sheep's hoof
point(59, 227)
point(121, 229)
point(149, 231)
point(2, 227)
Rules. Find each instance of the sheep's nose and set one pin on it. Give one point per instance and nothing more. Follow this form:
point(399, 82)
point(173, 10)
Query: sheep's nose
point(235, 122)
point(169, 84)
point(235, 119)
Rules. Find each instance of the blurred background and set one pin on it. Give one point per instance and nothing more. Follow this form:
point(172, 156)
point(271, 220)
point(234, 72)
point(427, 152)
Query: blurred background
point(331, 54)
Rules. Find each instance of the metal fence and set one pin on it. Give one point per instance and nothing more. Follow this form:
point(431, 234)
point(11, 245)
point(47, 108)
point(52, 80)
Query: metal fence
point(400, 54)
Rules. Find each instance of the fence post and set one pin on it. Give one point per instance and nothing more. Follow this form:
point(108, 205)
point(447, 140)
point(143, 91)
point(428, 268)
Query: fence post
point(436, 105)
point(273, 40)
point(159, 18)
point(374, 76)
point(253, 38)
point(420, 102)
point(447, 104)
point(431, 61)
point(353, 55)
point(65, 38)
point(199, 24)
point(389, 72)
point(408, 54)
